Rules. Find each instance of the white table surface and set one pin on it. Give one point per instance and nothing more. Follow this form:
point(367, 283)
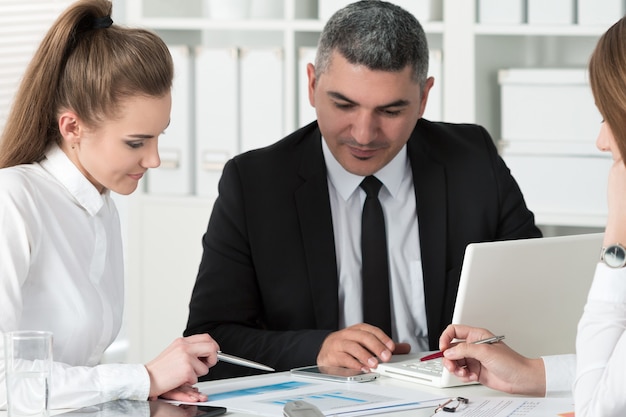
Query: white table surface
point(469, 391)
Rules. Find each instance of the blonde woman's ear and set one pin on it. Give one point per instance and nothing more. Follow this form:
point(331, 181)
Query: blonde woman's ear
point(70, 129)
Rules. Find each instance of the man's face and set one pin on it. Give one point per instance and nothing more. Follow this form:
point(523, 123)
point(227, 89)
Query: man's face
point(365, 116)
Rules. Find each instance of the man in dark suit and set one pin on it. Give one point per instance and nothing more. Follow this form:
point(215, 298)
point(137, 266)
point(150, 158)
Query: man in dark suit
point(280, 277)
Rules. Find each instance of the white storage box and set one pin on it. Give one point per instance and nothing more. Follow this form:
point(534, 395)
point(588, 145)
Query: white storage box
point(227, 9)
point(547, 105)
point(563, 190)
point(423, 10)
point(551, 12)
point(600, 12)
point(501, 11)
point(267, 9)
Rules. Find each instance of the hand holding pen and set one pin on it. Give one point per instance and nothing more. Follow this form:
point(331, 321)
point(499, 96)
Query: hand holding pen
point(489, 340)
point(494, 364)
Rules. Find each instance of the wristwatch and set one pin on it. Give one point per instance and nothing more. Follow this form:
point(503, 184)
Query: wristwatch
point(614, 256)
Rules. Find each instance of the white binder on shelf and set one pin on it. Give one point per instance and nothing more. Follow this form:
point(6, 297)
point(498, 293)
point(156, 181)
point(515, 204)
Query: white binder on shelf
point(306, 112)
point(600, 12)
point(434, 106)
point(175, 175)
point(501, 12)
point(261, 97)
point(217, 114)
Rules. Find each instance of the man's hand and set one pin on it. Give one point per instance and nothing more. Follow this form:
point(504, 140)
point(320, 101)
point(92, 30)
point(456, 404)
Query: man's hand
point(361, 346)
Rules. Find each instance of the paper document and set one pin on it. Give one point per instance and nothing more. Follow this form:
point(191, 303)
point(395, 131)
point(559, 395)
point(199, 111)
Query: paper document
point(267, 396)
point(516, 407)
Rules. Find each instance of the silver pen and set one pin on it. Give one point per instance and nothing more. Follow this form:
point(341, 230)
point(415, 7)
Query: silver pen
point(489, 340)
point(224, 357)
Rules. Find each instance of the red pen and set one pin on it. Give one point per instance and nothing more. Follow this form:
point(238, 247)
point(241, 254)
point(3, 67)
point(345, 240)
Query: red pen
point(439, 354)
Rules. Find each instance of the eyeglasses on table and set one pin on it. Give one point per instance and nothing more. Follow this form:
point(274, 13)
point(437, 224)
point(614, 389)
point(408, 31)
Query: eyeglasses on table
point(452, 405)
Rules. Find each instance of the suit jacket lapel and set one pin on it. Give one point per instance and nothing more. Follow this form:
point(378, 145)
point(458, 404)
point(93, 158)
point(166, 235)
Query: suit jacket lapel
point(316, 226)
point(430, 193)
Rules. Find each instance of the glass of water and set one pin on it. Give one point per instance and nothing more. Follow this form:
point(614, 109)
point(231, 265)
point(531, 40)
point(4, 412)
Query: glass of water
point(28, 360)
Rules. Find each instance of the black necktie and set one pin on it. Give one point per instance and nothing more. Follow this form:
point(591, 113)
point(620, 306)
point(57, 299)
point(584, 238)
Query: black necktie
point(375, 265)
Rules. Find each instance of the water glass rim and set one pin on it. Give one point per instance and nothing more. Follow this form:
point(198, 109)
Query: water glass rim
point(27, 334)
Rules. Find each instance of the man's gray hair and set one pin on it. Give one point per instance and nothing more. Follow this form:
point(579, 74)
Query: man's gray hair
point(376, 34)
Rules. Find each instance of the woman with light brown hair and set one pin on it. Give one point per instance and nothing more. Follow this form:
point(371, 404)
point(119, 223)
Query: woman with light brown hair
point(85, 122)
point(600, 361)
point(601, 338)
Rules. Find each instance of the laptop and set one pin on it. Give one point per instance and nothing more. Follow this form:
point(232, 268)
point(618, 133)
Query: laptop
point(533, 291)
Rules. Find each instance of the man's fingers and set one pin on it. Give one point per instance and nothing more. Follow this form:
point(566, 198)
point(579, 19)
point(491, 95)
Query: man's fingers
point(361, 346)
point(402, 349)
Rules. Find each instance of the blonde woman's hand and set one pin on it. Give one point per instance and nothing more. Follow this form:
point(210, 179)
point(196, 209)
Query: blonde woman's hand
point(185, 393)
point(179, 366)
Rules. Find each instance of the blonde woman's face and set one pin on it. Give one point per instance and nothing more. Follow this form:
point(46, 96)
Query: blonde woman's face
point(606, 142)
point(116, 155)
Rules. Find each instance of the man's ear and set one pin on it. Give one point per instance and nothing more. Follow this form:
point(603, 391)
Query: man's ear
point(310, 72)
point(70, 128)
point(430, 81)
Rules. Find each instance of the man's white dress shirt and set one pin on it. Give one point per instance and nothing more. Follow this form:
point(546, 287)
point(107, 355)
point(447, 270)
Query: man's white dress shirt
point(61, 270)
point(397, 196)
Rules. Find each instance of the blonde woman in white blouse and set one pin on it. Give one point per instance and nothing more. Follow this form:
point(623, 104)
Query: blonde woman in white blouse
point(85, 122)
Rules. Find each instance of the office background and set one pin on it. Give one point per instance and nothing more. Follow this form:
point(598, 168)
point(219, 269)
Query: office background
point(515, 66)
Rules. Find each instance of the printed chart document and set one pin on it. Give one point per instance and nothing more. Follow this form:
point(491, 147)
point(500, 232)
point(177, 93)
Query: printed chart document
point(267, 396)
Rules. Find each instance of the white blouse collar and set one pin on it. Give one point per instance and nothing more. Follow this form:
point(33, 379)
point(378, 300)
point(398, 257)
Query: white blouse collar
point(57, 164)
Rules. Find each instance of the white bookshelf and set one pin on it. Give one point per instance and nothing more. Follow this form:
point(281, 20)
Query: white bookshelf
point(472, 55)
point(298, 28)
point(472, 52)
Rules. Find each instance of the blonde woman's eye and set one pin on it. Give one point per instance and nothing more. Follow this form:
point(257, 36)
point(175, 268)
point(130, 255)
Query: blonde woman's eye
point(135, 145)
